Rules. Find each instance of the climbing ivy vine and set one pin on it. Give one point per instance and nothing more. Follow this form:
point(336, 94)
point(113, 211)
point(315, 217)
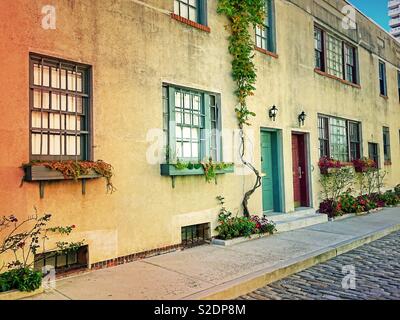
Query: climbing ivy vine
point(242, 15)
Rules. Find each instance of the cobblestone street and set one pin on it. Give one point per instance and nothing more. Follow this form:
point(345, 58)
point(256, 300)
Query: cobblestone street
point(377, 267)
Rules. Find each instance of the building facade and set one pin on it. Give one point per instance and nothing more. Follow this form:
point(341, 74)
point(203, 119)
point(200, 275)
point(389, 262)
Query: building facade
point(139, 83)
point(394, 14)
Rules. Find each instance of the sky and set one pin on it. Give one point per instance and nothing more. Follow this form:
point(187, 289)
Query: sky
point(377, 10)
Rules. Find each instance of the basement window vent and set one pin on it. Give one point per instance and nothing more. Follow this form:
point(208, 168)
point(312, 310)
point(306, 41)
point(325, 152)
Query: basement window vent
point(195, 235)
point(63, 262)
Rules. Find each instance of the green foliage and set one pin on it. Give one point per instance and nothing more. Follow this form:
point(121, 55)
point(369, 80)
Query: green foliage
point(390, 198)
point(397, 190)
point(230, 227)
point(371, 180)
point(337, 182)
point(243, 14)
point(24, 240)
point(22, 279)
point(210, 168)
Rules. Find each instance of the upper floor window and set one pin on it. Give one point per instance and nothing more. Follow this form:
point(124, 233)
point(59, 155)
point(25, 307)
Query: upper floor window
point(194, 10)
point(192, 124)
point(335, 56)
point(386, 144)
point(265, 35)
point(382, 79)
point(59, 109)
point(339, 139)
point(319, 49)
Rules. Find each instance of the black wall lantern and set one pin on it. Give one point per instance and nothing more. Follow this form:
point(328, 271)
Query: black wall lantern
point(302, 118)
point(273, 112)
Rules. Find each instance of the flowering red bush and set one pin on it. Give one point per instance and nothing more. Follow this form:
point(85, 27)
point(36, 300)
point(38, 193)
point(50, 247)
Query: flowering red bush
point(263, 225)
point(363, 165)
point(326, 163)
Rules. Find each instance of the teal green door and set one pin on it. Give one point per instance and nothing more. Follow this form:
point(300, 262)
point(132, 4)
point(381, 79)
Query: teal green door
point(267, 171)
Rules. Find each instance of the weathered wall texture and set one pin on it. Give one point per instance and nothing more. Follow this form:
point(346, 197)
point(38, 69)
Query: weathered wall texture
point(133, 48)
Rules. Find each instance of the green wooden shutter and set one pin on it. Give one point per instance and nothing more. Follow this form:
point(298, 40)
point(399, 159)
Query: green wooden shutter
point(207, 127)
point(171, 125)
point(202, 12)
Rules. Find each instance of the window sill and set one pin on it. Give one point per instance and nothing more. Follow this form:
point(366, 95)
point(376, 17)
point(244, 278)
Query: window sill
point(169, 170)
point(322, 73)
point(388, 163)
point(41, 173)
point(384, 97)
point(266, 52)
point(190, 23)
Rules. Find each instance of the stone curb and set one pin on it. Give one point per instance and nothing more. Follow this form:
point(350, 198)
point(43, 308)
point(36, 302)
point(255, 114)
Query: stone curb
point(253, 281)
point(18, 295)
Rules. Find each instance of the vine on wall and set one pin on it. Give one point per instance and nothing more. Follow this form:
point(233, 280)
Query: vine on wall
point(242, 15)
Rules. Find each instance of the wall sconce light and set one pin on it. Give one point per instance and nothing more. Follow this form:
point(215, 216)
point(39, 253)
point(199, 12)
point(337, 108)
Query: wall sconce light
point(302, 118)
point(273, 113)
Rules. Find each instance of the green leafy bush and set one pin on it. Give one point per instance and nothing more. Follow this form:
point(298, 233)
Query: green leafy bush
point(390, 198)
point(230, 227)
point(22, 279)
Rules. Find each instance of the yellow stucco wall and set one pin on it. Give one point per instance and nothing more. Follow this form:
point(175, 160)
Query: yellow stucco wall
point(133, 47)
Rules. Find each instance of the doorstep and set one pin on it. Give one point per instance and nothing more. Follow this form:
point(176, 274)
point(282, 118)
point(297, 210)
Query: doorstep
point(298, 220)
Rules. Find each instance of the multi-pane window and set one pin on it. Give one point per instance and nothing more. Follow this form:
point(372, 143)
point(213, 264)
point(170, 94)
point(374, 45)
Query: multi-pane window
point(319, 49)
point(339, 139)
point(382, 78)
point(350, 63)
point(191, 124)
point(373, 152)
point(354, 140)
point(189, 116)
point(265, 34)
point(335, 56)
point(194, 10)
point(386, 144)
point(323, 130)
point(59, 109)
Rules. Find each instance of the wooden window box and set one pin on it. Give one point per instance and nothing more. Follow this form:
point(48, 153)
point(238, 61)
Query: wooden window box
point(169, 170)
point(42, 173)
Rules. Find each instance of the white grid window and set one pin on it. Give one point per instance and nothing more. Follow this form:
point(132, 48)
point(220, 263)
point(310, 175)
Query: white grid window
point(59, 109)
point(186, 9)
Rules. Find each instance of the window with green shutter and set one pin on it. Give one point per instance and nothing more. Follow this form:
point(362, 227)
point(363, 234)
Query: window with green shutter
point(265, 36)
point(194, 10)
point(191, 124)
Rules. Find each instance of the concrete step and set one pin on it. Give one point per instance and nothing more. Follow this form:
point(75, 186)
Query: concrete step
point(297, 214)
point(289, 222)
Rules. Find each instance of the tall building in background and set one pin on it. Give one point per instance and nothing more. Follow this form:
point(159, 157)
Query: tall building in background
point(394, 14)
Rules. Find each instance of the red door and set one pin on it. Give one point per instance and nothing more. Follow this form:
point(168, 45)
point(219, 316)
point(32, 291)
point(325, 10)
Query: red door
point(300, 174)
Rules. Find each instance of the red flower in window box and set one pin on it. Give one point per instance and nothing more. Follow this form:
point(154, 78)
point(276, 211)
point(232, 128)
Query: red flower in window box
point(326, 163)
point(363, 165)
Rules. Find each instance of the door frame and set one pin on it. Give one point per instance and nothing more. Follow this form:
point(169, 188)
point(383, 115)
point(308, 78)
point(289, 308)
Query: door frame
point(278, 137)
point(310, 168)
